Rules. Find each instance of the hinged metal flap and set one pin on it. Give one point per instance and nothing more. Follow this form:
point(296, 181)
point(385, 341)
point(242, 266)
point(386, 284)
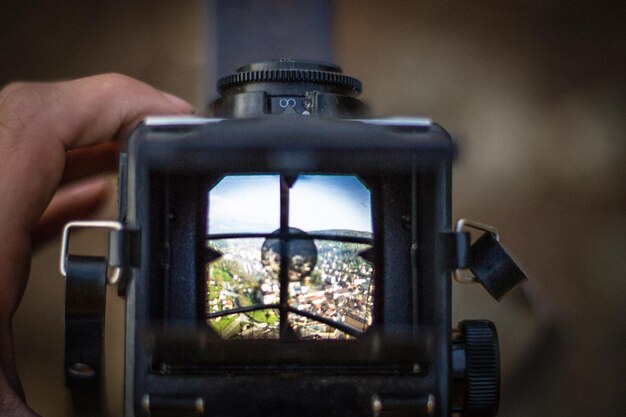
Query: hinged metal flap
point(458, 248)
point(124, 248)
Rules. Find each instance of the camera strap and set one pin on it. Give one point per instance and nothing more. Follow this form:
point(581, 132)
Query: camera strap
point(490, 263)
point(85, 295)
point(493, 267)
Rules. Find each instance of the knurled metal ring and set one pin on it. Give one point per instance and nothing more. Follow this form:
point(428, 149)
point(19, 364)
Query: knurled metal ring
point(289, 75)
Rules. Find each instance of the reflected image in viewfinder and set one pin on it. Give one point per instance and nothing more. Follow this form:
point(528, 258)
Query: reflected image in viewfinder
point(327, 278)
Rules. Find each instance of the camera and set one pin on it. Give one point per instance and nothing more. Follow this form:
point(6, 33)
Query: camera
point(288, 256)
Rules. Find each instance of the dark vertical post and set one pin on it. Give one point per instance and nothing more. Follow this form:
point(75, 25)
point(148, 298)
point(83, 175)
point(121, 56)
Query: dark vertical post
point(243, 31)
point(284, 242)
point(394, 242)
point(434, 289)
point(414, 247)
point(185, 276)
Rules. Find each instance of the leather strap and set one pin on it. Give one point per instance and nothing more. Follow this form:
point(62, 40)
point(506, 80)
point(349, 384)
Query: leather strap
point(493, 266)
point(85, 295)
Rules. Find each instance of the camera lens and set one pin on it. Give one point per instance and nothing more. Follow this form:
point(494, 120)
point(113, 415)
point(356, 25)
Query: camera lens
point(288, 87)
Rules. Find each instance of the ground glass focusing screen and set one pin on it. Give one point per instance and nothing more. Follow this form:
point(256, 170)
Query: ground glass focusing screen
point(326, 290)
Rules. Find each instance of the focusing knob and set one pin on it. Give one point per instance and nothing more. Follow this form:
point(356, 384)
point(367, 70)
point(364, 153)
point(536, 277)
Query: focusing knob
point(482, 368)
point(288, 87)
point(291, 71)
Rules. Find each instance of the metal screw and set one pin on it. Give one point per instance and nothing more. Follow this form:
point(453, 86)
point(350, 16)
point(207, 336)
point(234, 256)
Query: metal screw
point(81, 370)
point(406, 221)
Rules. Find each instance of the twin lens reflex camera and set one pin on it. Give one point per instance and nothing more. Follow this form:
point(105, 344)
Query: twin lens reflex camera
point(287, 257)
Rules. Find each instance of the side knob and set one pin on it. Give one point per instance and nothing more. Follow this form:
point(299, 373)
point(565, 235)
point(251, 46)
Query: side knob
point(482, 368)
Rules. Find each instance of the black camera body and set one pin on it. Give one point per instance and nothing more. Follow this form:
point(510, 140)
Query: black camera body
point(288, 257)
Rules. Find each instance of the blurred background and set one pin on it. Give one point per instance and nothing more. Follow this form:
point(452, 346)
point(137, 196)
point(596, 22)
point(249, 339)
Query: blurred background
point(535, 93)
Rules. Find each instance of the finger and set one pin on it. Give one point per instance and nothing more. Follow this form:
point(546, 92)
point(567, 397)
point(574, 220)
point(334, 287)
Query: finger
point(180, 104)
point(85, 162)
point(76, 201)
point(40, 121)
point(85, 111)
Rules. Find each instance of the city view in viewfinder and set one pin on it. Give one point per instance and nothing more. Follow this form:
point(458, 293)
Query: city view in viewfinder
point(330, 285)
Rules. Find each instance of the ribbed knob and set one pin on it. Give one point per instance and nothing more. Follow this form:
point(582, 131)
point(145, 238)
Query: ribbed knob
point(482, 367)
point(286, 71)
point(288, 87)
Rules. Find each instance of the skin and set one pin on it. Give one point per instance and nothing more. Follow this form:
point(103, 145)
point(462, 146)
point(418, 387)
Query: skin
point(55, 138)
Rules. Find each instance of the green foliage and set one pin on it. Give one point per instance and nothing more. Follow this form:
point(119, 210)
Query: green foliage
point(264, 316)
point(220, 325)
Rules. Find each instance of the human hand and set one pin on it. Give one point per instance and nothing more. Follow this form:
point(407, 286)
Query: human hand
point(52, 137)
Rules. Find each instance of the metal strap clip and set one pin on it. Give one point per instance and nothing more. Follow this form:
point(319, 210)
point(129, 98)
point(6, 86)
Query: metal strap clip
point(114, 274)
point(462, 224)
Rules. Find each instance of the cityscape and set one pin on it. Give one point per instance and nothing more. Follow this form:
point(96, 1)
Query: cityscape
point(336, 286)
